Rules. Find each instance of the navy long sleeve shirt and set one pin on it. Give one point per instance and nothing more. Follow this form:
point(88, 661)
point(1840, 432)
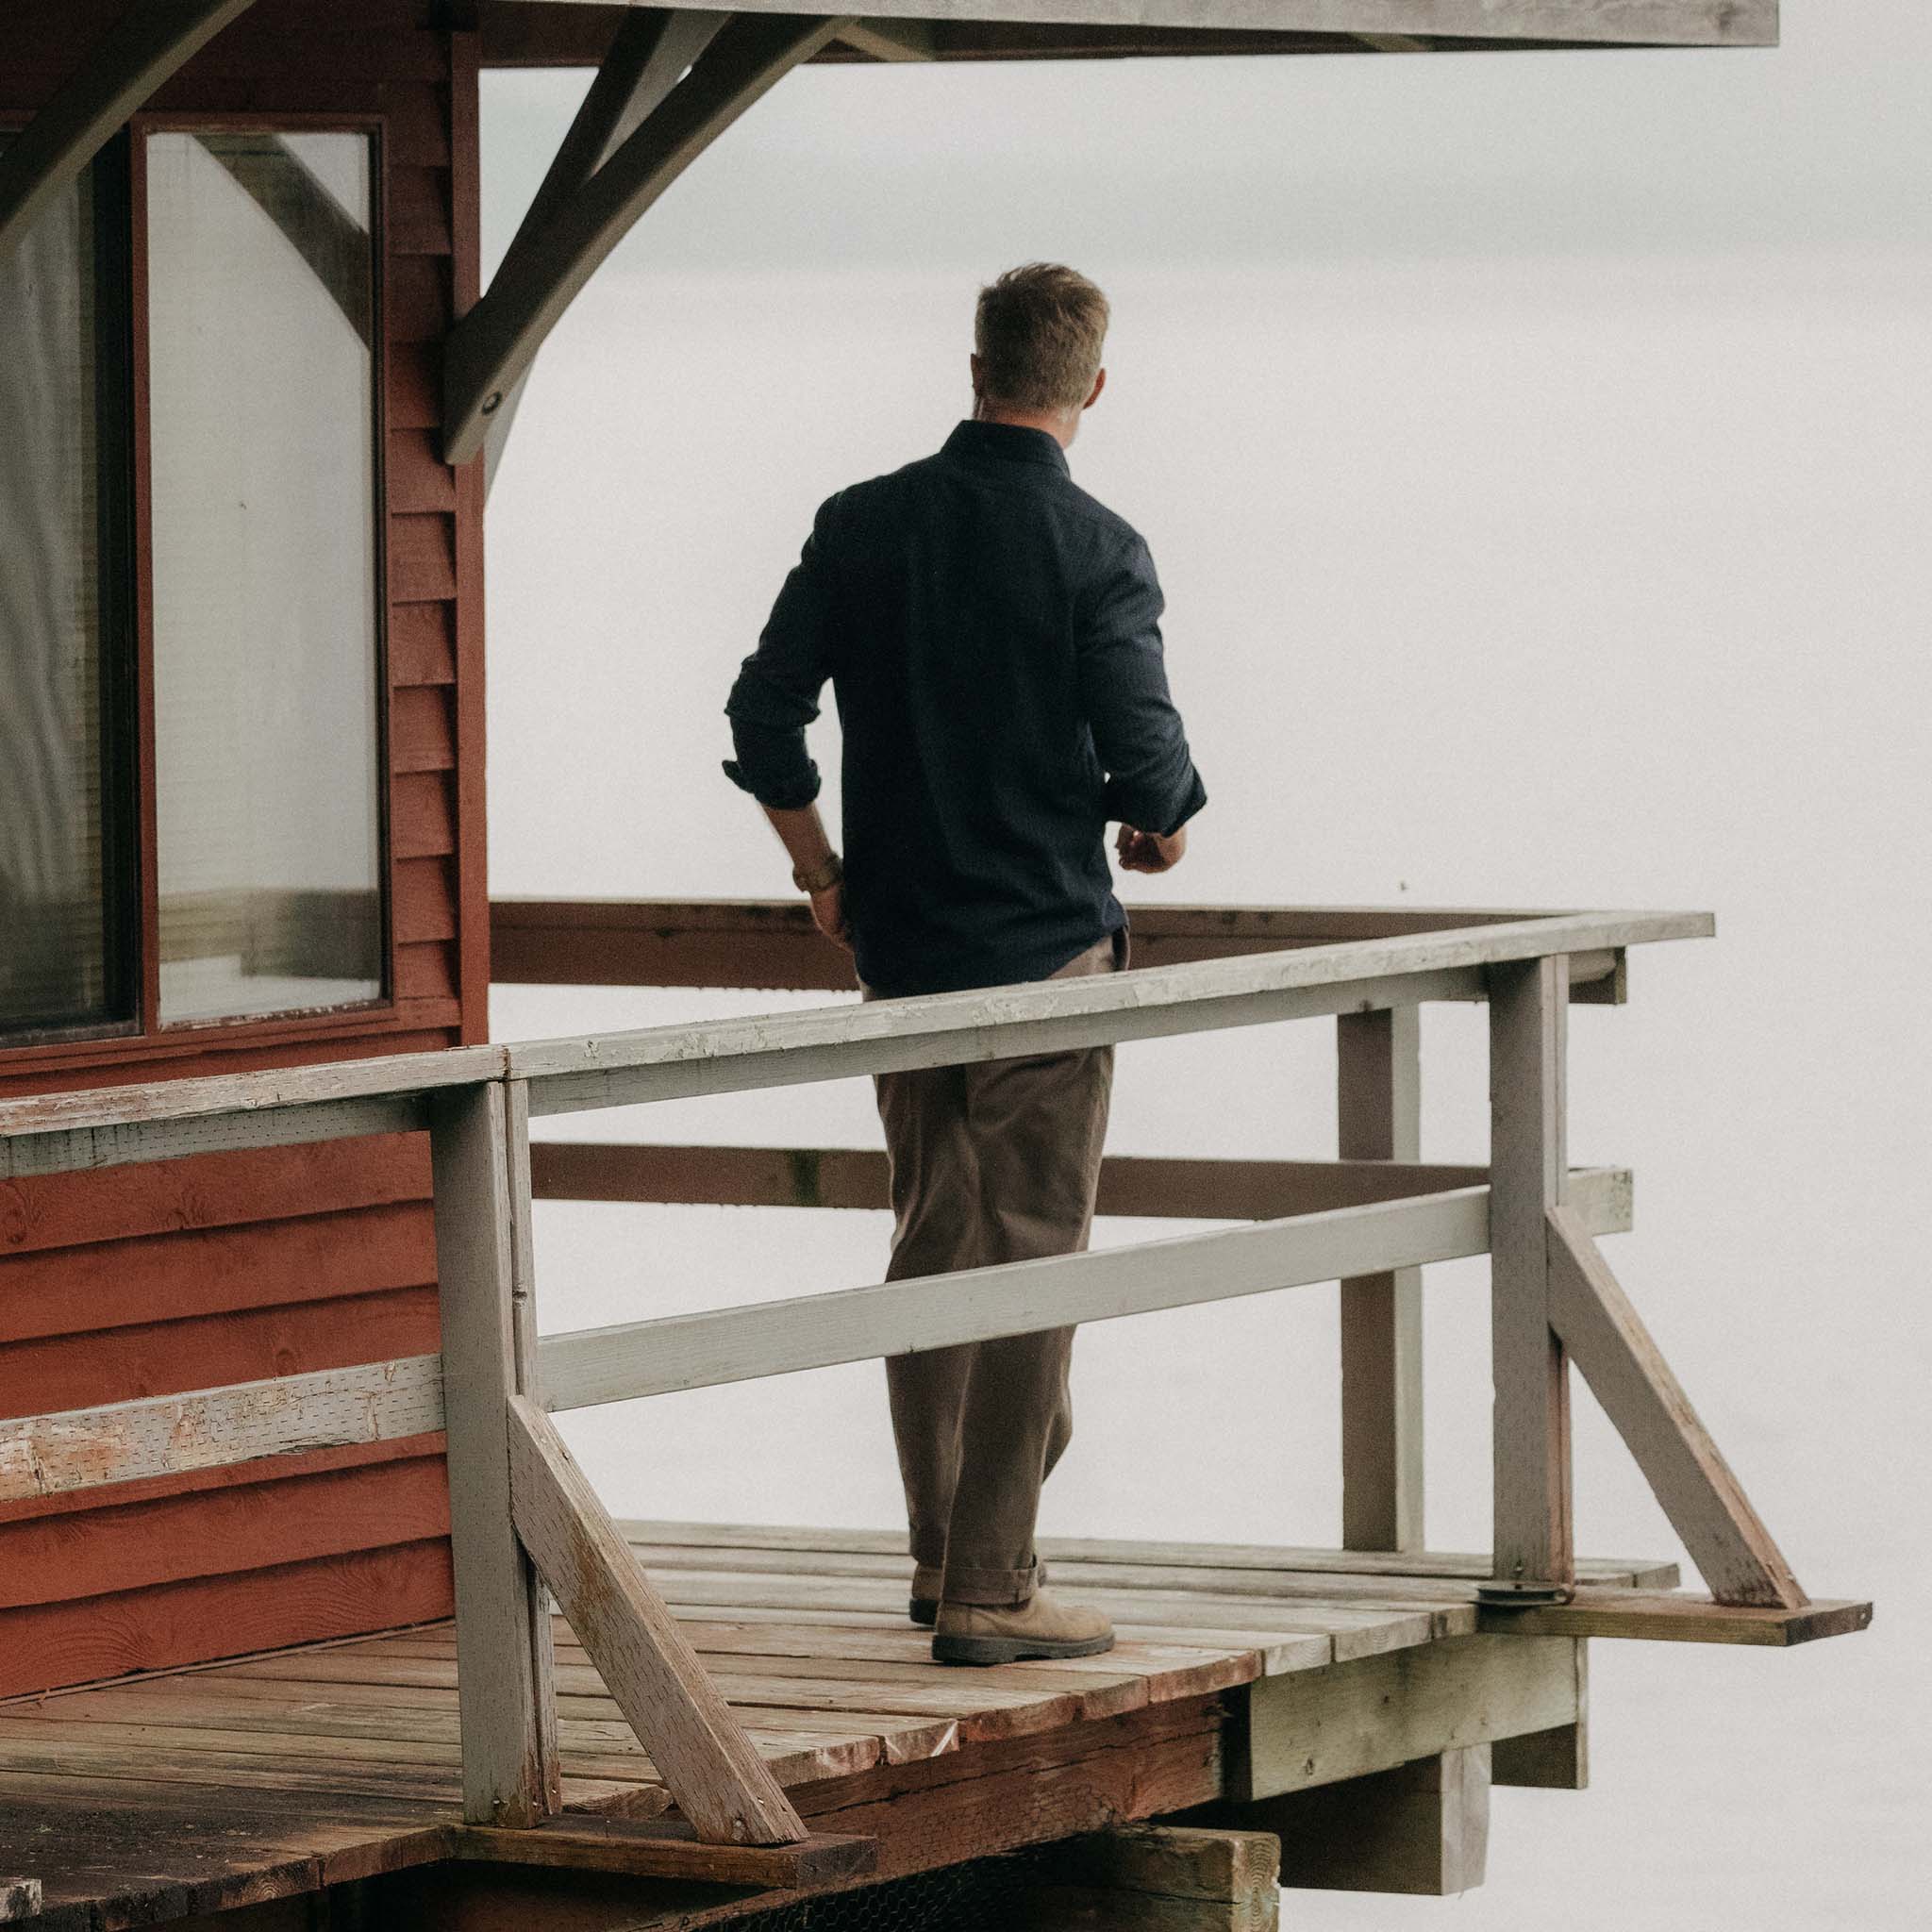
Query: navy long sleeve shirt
point(992, 638)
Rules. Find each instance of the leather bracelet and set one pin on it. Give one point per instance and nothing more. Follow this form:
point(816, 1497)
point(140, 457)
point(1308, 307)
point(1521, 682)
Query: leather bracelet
point(823, 880)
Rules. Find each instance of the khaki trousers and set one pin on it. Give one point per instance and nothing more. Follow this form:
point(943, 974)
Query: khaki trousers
point(989, 1163)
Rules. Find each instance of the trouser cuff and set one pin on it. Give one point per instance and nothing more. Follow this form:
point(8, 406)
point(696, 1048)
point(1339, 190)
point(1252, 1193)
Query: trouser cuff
point(992, 1589)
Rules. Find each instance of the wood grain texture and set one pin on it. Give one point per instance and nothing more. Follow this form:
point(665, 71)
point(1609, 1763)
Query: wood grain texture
point(668, 1849)
point(1627, 1374)
point(718, 1780)
point(1378, 1105)
point(1681, 1619)
point(1374, 1714)
point(595, 1365)
point(164, 1435)
point(1420, 1829)
point(845, 1041)
point(1552, 23)
point(1528, 1173)
point(178, 1623)
point(773, 942)
point(503, 1631)
point(154, 1359)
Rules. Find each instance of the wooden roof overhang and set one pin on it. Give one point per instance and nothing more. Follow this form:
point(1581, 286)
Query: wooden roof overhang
point(671, 80)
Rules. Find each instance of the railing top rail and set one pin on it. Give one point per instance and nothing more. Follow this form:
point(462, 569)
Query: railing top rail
point(108, 1126)
point(832, 1042)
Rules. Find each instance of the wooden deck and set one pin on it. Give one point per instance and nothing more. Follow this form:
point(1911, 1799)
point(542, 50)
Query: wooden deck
point(169, 1796)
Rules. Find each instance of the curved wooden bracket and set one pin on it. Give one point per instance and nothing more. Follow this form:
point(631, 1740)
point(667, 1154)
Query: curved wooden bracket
point(144, 47)
point(653, 51)
point(488, 350)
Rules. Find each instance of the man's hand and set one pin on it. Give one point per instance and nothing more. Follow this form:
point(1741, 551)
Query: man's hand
point(828, 914)
point(1150, 850)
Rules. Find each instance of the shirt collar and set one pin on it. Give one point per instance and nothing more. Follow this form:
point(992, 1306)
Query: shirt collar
point(1009, 442)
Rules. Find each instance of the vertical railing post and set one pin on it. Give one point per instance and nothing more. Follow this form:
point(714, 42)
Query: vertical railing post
point(1529, 1003)
point(1378, 1096)
point(505, 1696)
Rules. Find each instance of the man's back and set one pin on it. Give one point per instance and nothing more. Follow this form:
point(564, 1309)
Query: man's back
point(991, 633)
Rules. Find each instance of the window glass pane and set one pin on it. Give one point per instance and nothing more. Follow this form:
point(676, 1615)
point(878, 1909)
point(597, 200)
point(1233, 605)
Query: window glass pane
point(261, 296)
point(66, 898)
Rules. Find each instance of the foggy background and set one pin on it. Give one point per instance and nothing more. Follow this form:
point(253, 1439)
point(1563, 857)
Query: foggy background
point(1536, 450)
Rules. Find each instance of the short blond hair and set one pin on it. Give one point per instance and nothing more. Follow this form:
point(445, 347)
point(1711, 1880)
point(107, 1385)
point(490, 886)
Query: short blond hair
point(1038, 332)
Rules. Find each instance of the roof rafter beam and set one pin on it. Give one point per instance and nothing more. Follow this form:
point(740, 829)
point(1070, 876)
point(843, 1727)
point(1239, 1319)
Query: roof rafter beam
point(143, 49)
point(654, 49)
point(491, 347)
point(891, 39)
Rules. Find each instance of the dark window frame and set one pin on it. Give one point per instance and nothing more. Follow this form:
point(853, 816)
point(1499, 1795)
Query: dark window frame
point(136, 918)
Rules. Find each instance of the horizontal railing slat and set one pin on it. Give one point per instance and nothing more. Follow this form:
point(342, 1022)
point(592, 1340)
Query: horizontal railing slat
point(1057, 1015)
point(163, 1119)
point(165, 1435)
point(741, 1344)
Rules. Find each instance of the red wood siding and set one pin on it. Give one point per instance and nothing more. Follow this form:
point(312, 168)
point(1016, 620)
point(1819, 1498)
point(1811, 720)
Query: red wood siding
point(147, 1280)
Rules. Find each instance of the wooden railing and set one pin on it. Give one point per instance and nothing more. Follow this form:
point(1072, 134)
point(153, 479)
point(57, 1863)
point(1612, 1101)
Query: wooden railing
point(524, 1517)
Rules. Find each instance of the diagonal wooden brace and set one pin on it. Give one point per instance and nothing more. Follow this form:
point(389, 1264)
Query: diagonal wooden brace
point(490, 348)
point(148, 43)
point(712, 1768)
point(1706, 1504)
point(654, 49)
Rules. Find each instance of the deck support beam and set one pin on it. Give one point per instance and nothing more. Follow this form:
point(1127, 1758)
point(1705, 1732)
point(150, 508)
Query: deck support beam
point(1420, 1829)
point(1378, 1094)
point(1157, 1878)
point(490, 348)
point(1529, 1013)
point(149, 43)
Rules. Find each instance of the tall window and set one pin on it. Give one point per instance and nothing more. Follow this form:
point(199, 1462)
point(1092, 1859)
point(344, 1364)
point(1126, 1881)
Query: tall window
point(262, 468)
point(67, 892)
point(191, 755)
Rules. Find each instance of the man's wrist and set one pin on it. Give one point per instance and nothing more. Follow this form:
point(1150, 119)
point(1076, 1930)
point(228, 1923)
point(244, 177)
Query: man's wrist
point(819, 878)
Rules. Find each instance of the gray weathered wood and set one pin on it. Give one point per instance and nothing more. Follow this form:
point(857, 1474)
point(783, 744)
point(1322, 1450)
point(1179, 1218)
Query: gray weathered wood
point(1707, 1505)
point(167, 1435)
point(1557, 23)
point(20, 1898)
point(1155, 1878)
point(1315, 1727)
point(1553, 1761)
point(1378, 1095)
point(1420, 1829)
point(150, 41)
point(883, 1036)
point(653, 49)
point(492, 344)
point(590, 1366)
point(163, 1119)
point(1679, 1618)
point(1528, 1014)
point(1067, 1552)
point(511, 1774)
point(720, 1781)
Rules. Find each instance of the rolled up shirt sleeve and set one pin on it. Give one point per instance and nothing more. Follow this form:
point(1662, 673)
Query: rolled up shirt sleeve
point(1151, 780)
point(777, 692)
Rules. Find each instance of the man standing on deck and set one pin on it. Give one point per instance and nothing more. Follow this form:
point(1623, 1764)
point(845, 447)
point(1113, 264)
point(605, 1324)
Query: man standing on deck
point(992, 637)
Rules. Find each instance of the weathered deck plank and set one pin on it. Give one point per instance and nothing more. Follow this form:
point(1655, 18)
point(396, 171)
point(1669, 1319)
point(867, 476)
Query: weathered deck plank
point(158, 1797)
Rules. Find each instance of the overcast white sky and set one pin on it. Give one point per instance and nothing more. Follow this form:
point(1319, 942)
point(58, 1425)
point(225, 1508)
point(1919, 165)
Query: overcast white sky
point(1538, 454)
